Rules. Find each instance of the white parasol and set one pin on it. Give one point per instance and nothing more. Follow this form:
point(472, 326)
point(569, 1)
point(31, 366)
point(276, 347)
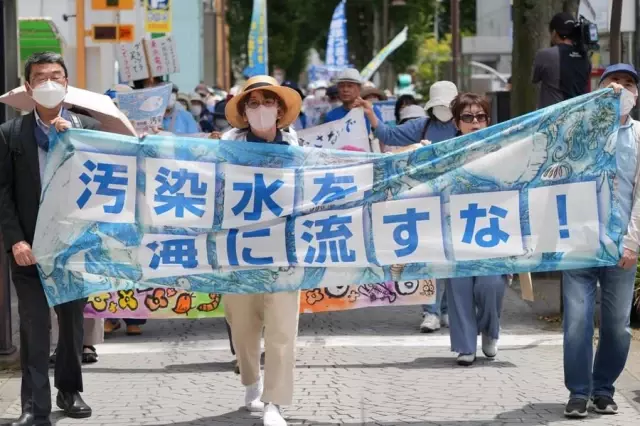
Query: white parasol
point(99, 106)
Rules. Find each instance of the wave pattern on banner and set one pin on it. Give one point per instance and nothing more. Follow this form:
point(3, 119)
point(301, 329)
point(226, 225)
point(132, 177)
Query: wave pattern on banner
point(531, 194)
point(162, 303)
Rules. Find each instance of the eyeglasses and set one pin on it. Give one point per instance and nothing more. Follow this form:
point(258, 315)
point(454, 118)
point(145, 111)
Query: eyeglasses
point(253, 103)
point(469, 118)
point(58, 78)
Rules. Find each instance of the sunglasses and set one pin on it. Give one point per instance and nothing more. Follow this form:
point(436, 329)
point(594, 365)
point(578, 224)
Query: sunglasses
point(468, 118)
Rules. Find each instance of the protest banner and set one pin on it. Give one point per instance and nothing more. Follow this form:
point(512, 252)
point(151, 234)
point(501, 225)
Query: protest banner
point(132, 62)
point(368, 71)
point(258, 44)
point(157, 17)
point(531, 194)
point(337, 44)
point(349, 133)
point(145, 108)
point(176, 303)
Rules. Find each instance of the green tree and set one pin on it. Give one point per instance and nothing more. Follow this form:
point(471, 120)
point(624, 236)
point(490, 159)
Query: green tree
point(432, 56)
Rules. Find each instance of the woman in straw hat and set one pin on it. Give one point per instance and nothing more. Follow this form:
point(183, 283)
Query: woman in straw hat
point(258, 114)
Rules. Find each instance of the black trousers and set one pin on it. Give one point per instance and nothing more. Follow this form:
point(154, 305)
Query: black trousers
point(35, 342)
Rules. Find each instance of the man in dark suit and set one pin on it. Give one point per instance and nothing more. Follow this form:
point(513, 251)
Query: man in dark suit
point(24, 145)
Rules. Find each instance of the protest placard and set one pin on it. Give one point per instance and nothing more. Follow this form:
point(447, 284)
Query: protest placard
point(132, 61)
point(163, 58)
point(349, 133)
point(207, 216)
point(145, 108)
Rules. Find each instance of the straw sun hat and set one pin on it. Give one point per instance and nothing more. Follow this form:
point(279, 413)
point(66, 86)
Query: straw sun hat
point(289, 97)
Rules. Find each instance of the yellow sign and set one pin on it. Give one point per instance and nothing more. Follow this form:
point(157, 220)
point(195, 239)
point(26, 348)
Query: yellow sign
point(112, 33)
point(112, 4)
point(157, 17)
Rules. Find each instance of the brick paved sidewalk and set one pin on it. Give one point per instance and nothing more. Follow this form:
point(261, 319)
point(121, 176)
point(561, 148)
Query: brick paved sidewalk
point(367, 367)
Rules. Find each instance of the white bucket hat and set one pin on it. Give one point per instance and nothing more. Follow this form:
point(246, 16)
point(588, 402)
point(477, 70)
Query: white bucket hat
point(412, 111)
point(349, 75)
point(441, 93)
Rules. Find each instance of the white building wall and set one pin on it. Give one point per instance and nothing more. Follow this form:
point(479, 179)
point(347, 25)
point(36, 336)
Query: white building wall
point(100, 57)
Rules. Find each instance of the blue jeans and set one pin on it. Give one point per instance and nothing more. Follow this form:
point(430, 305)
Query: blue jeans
point(440, 307)
point(583, 376)
point(475, 305)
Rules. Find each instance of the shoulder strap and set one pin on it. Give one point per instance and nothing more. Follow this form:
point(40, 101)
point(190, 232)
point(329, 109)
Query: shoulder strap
point(76, 123)
point(426, 128)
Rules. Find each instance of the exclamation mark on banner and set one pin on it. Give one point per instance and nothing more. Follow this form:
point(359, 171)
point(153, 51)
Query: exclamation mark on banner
point(562, 215)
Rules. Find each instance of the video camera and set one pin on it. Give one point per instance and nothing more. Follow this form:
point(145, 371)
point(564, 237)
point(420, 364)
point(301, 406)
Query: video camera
point(585, 35)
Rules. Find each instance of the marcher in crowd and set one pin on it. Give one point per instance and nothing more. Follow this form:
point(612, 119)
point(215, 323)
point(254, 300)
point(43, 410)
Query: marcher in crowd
point(220, 123)
point(373, 94)
point(411, 112)
point(401, 102)
point(46, 82)
point(200, 113)
point(475, 303)
point(432, 127)
point(586, 378)
point(178, 120)
point(184, 101)
point(333, 96)
point(349, 85)
point(258, 114)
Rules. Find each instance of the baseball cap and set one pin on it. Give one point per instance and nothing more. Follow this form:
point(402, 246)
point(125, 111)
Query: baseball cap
point(563, 23)
point(621, 68)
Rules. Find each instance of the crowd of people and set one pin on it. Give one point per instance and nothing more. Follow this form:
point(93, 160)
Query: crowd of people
point(264, 111)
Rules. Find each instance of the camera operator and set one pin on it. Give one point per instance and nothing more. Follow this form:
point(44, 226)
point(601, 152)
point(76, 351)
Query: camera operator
point(563, 69)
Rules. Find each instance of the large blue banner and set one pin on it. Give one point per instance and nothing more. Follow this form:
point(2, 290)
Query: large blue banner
point(531, 194)
point(258, 44)
point(337, 44)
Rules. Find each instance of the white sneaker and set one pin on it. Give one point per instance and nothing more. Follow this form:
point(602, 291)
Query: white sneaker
point(466, 359)
point(430, 323)
point(272, 417)
point(252, 395)
point(444, 320)
point(489, 346)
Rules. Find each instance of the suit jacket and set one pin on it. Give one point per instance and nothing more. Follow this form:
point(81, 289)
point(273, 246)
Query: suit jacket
point(20, 184)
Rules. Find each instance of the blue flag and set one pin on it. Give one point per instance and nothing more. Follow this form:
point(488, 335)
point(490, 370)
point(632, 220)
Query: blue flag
point(337, 51)
point(258, 46)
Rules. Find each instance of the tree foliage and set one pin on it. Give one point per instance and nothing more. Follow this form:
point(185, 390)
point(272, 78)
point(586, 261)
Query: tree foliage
point(295, 26)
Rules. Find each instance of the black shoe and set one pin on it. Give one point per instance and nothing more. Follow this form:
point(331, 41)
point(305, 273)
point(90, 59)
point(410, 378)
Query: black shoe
point(604, 405)
point(28, 419)
point(89, 355)
point(576, 408)
point(73, 405)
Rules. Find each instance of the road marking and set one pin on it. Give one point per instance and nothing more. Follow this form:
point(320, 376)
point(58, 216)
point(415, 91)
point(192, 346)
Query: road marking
point(418, 341)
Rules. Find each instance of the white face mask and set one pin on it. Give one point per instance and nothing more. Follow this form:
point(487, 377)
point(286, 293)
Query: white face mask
point(320, 93)
point(262, 118)
point(442, 113)
point(196, 110)
point(49, 94)
point(336, 104)
point(627, 101)
point(172, 101)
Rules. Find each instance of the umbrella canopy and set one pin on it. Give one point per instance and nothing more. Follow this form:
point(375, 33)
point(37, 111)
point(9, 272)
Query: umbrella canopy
point(99, 106)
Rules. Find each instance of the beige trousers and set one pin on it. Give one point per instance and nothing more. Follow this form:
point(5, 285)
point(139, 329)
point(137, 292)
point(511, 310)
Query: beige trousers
point(278, 313)
point(93, 331)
